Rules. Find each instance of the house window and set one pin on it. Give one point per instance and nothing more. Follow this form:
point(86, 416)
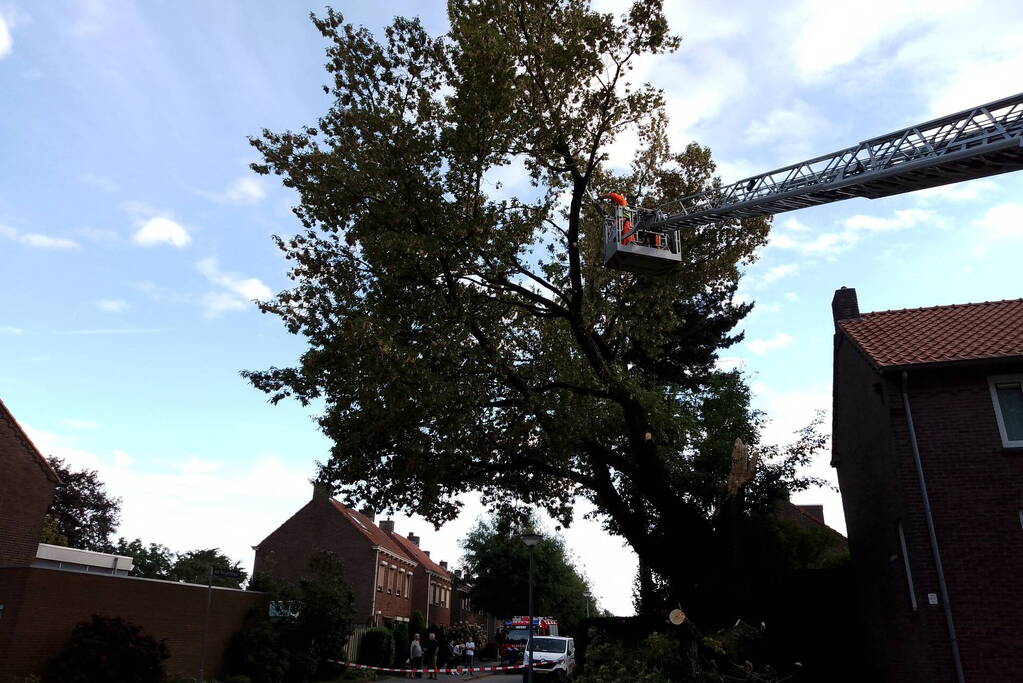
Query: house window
point(382, 576)
point(408, 584)
point(1007, 394)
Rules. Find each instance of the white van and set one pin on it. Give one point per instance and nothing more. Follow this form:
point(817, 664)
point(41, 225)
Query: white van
point(552, 657)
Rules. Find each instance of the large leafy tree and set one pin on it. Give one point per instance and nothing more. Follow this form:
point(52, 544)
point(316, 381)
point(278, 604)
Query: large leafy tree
point(496, 564)
point(82, 515)
point(152, 561)
point(194, 567)
point(459, 337)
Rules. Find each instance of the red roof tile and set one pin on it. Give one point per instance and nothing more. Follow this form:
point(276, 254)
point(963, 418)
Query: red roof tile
point(942, 334)
point(371, 531)
point(26, 443)
point(420, 556)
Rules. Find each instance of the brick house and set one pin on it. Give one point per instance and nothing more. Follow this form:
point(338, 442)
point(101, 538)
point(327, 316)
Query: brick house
point(26, 491)
point(378, 571)
point(46, 590)
point(928, 447)
point(431, 582)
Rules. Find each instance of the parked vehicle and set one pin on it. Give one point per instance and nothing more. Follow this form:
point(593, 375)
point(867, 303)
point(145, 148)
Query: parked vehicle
point(512, 639)
point(553, 657)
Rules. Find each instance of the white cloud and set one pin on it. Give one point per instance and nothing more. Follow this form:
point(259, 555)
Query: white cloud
point(762, 346)
point(901, 219)
point(111, 305)
point(122, 459)
point(99, 181)
point(791, 296)
point(236, 292)
point(999, 223)
point(192, 505)
point(795, 126)
point(11, 330)
point(856, 227)
point(6, 42)
point(244, 190)
point(161, 230)
point(776, 273)
point(957, 192)
point(194, 465)
point(35, 240)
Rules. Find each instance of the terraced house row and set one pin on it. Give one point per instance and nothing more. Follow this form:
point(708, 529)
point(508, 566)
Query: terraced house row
point(390, 575)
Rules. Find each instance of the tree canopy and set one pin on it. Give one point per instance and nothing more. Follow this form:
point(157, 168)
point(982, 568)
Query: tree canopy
point(82, 515)
point(461, 336)
point(496, 564)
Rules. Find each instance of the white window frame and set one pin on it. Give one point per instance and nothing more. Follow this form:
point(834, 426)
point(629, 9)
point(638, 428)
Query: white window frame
point(991, 382)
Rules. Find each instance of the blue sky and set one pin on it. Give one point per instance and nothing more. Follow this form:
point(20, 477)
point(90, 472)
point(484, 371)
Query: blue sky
point(133, 236)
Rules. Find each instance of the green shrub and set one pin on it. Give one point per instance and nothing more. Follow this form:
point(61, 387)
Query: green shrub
point(106, 649)
point(377, 648)
point(402, 641)
point(417, 624)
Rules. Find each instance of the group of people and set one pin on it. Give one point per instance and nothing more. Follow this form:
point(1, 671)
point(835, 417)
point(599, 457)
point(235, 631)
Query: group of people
point(434, 654)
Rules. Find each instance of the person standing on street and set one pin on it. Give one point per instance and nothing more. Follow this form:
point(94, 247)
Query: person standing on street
point(416, 655)
point(430, 651)
point(470, 651)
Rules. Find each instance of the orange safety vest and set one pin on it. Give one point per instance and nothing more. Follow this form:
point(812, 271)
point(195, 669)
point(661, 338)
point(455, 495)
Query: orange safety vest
point(619, 200)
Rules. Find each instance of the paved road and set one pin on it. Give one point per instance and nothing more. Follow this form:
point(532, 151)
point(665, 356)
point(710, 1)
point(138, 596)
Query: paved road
point(489, 678)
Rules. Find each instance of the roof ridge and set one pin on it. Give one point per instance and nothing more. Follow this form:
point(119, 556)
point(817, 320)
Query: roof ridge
point(361, 527)
point(20, 434)
point(933, 308)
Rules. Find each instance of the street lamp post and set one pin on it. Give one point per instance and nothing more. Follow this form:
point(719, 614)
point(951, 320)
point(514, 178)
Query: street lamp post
point(531, 540)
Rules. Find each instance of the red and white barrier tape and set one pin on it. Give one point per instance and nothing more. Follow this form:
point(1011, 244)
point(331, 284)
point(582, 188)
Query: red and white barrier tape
point(459, 670)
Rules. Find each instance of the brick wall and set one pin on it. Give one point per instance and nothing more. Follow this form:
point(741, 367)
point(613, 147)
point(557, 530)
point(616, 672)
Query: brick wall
point(422, 590)
point(42, 607)
point(25, 494)
point(318, 526)
point(976, 493)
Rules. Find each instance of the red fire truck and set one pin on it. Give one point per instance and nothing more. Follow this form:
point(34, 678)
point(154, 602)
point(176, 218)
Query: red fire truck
point(513, 637)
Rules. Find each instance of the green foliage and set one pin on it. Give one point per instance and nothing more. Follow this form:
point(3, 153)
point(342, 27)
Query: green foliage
point(194, 567)
point(680, 655)
point(377, 647)
point(108, 649)
point(51, 533)
point(483, 343)
point(82, 514)
point(402, 641)
point(496, 562)
point(293, 649)
point(417, 623)
point(153, 561)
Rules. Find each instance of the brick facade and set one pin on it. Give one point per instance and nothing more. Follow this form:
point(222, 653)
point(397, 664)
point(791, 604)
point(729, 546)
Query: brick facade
point(431, 582)
point(42, 607)
point(373, 567)
point(975, 487)
point(26, 491)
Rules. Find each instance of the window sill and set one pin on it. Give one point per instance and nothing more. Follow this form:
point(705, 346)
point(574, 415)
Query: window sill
point(1015, 450)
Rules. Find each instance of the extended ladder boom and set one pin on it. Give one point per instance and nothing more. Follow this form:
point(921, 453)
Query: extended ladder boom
point(974, 143)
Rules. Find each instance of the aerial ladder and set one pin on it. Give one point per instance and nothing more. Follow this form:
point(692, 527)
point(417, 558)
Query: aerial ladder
point(974, 143)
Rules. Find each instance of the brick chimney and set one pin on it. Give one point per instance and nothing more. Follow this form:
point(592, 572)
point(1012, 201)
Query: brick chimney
point(844, 305)
point(321, 491)
point(369, 513)
point(387, 525)
point(412, 537)
point(443, 564)
point(425, 552)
